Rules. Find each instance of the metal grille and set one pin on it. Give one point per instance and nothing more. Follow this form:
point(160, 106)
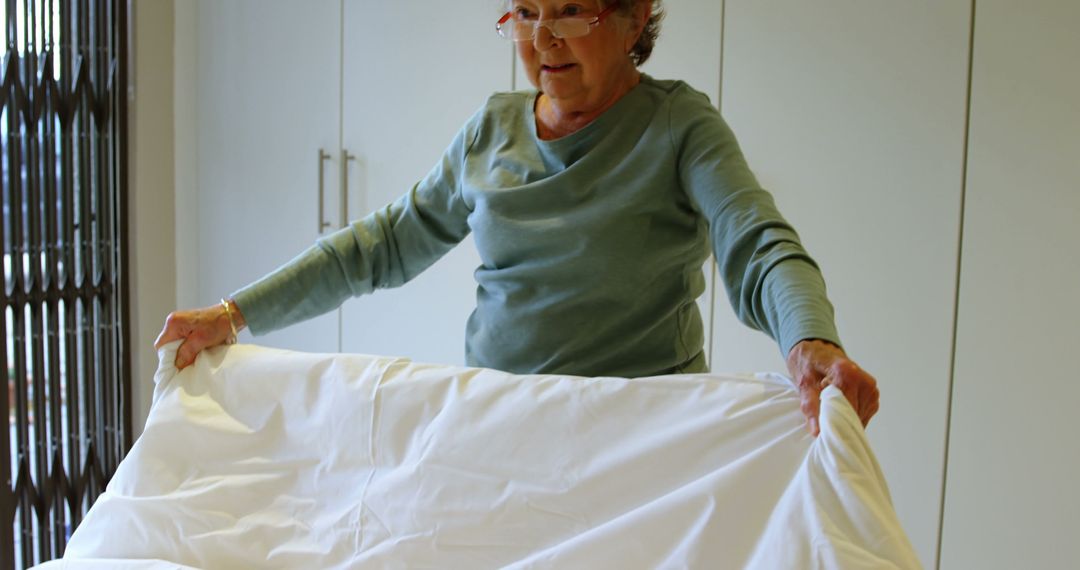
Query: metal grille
point(63, 180)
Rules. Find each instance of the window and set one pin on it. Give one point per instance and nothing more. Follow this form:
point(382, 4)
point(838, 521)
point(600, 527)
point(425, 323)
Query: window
point(63, 180)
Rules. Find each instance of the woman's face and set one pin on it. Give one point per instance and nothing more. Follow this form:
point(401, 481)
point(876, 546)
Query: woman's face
point(581, 72)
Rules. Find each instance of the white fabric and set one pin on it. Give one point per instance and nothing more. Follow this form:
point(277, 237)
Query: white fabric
point(262, 458)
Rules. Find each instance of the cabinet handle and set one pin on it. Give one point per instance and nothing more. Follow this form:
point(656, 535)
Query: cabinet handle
point(345, 158)
point(323, 224)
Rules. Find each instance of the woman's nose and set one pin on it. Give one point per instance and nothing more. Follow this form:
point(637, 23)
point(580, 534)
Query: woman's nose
point(543, 38)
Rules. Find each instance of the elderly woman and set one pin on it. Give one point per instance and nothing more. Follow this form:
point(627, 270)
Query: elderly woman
point(592, 201)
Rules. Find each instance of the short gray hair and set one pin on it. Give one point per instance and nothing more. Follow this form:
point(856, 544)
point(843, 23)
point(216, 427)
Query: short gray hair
point(644, 46)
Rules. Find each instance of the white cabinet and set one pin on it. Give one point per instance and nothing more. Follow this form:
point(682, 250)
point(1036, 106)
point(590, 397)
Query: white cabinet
point(280, 82)
point(414, 72)
point(1011, 498)
point(852, 115)
point(267, 95)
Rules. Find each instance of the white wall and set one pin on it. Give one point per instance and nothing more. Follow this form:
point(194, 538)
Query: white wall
point(185, 58)
point(151, 191)
point(1011, 499)
point(852, 115)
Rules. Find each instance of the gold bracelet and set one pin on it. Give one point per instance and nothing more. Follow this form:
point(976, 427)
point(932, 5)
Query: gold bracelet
point(232, 325)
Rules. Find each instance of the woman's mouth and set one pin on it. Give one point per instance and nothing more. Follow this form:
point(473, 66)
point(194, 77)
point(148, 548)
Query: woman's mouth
point(557, 68)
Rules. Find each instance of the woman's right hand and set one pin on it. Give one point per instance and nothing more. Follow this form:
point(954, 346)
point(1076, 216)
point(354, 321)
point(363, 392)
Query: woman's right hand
point(199, 328)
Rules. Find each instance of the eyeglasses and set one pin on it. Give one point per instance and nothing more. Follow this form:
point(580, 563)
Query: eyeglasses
point(569, 27)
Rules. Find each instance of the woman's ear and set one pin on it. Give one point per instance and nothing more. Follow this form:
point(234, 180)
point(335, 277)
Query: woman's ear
point(640, 17)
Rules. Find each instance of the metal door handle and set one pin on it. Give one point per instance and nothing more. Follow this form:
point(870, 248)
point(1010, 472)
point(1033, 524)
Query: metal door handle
point(345, 158)
point(323, 224)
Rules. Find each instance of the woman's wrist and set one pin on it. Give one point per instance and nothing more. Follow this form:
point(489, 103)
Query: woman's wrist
point(234, 318)
point(237, 316)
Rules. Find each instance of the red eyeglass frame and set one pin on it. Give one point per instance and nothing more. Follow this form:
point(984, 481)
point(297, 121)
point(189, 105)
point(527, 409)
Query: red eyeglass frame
point(596, 22)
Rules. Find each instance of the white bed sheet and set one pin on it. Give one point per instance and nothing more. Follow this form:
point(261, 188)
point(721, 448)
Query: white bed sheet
point(263, 458)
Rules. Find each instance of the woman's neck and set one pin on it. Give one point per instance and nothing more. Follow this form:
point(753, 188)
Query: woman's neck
point(556, 119)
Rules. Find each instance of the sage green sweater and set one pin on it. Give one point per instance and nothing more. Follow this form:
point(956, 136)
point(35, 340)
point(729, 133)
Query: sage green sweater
point(591, 245)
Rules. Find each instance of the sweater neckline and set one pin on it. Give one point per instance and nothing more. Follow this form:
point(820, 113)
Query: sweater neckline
point(587, 133)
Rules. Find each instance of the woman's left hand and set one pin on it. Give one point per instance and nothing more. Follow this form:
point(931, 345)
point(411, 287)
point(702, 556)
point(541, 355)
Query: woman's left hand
point(814, 364)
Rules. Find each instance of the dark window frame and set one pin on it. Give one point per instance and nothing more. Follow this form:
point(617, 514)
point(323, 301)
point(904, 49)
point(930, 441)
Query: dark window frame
point(64, 232)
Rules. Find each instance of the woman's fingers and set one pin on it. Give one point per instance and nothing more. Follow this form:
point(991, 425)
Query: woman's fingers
point(189, 349)
point(846, 376)
point(868, 403)
point(176, 328)
point(810, 386)
point(815, 364)
point(871, 410)
point(198, 328)
point(859, 387)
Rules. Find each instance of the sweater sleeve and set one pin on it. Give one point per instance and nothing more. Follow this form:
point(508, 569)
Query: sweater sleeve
point(771, 281)
point(385, 249)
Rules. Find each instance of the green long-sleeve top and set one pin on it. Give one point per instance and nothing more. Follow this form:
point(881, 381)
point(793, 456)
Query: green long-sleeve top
point(591, 245)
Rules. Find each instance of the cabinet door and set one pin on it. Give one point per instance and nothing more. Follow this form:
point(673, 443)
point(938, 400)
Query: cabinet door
point(852, 115)
point(1011, 498)
point(414, 72)
point(268, 98)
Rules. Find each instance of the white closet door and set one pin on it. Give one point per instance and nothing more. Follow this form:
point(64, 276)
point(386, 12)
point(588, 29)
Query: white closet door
point(1011, 499)
point(268, 93)
point(414, 72)
point(689, 49)
point(852, 115)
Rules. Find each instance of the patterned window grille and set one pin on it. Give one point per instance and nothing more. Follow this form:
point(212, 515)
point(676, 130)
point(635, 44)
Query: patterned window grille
point(65, 310)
